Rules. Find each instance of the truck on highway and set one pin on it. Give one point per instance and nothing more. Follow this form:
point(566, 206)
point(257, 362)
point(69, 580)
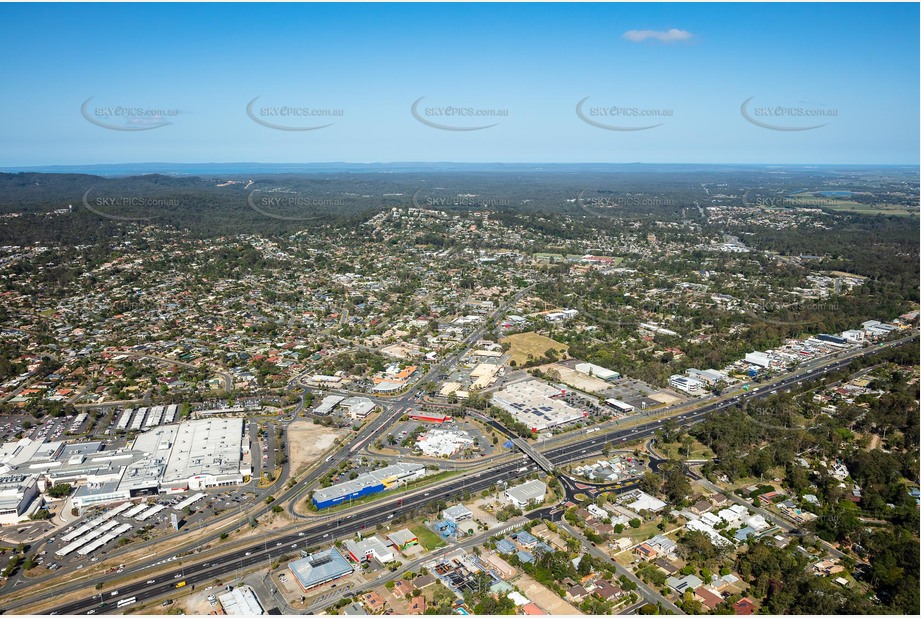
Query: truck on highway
point(180, 584)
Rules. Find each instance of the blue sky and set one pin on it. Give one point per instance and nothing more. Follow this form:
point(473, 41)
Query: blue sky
point(852, 67)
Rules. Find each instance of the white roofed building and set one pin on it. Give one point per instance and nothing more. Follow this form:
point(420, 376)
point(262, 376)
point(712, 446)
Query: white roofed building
point(522, 495)
point(241, 601)
point(686, 384)
point(645, 502)
point(535, 404)
point(206, 453)
point(367, 548)
point(597, 371)
point(759, 359)
point(19, 498)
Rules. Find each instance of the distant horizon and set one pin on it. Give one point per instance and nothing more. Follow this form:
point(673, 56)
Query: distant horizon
point(187, 168)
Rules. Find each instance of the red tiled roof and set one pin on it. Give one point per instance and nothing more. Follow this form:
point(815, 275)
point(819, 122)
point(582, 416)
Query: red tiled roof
point(744, 607)
point(708, 597)
point(530, 609)
point(416, 606)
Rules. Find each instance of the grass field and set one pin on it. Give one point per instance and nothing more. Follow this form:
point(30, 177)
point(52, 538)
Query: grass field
point(863, 209)
point(808, 200)
point(676, 451)
point(526, 346)
point(427, 538)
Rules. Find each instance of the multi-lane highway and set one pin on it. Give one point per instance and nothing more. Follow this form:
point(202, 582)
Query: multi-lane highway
point(322, 530)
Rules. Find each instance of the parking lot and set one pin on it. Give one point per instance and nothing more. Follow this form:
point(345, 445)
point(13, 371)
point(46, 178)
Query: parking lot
point(402, 431)
point(96, 424)
point(156, 526)
point(634, 392)
point(36, 429)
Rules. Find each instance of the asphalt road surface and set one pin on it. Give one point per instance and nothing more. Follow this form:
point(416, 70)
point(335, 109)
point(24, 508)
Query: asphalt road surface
point(382, 511)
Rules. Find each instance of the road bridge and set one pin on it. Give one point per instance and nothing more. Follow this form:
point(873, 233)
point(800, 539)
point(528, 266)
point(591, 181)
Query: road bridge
point(536, 457)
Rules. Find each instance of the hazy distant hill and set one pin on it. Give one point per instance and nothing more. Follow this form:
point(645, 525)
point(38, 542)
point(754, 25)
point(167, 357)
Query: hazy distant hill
point(244, 168)
point(264, 199)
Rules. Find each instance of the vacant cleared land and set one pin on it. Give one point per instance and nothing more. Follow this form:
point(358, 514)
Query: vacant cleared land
point(307, 442)
point(530, 346)
point(665, 398)
point(576, 379)
point(427, 538)
point(547, 600)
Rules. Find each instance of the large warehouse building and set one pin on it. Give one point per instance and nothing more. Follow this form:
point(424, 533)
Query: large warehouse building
point(367, 484)
point(536, 405)
point(759, 358)
point(597, 371)
point(18, 495)
point(205, 453)
point(178, 457)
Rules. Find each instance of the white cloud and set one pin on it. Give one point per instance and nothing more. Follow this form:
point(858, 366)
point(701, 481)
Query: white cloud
point(672, 35)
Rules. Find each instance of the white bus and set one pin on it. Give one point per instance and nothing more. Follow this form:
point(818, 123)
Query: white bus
point(125, 602)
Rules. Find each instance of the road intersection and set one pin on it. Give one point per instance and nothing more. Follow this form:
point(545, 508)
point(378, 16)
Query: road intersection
point(321, 529)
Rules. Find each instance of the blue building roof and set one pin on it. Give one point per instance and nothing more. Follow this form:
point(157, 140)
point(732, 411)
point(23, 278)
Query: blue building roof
point(446, 528)
point(320, 567)
point(504, 546)
point(363, 485)
point(744, 533)
point(526, 538)
point(543, 546)
point(525, 556)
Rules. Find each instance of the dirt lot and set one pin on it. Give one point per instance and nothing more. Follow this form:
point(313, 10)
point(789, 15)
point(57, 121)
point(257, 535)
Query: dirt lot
point(476, 507)
point(576, 379)
point(665, 398)
point(307, 442)
point(195, 604)
point(536, 345)
point(549, 601)
point(268, 522)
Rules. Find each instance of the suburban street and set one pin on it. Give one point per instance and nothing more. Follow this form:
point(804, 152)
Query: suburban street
point(367, 517)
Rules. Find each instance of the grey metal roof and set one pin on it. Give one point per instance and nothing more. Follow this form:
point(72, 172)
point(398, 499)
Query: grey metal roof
point(320, 567)
point(532, 490)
